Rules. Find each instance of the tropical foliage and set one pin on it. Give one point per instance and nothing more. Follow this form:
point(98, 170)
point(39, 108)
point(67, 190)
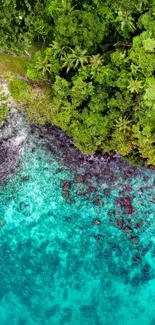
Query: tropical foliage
point(99, 59)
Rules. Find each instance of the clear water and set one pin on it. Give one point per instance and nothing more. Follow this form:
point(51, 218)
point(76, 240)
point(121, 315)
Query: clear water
point(57, 267)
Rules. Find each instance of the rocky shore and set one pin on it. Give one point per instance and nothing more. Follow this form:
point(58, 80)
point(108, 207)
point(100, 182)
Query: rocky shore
point(13, 134)
point(11, 143)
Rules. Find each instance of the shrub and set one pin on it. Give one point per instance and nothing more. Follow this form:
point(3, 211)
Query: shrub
point(19, 89)
point(3, 112)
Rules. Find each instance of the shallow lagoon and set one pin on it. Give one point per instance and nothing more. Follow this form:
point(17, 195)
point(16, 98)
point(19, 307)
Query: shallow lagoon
point(76, 254)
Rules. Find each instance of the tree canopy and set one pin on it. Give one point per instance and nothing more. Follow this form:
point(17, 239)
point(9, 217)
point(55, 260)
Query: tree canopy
point(99, 57)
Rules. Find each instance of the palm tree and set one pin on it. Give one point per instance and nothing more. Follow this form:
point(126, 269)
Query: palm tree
point(127, 21)
point(134, 68)
point(123, 124)
point(66, 7)
point(76, 58)
point(58, 50)
point(95, 62)
point(135, 86)
point(42, 64)
point(68, 62)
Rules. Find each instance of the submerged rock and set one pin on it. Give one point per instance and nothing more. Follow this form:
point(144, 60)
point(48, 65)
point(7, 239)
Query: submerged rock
point(111, 213)
point(106, 192)
point(99, 238)
point(146, 272)
point(136, 281)
point(138, 224)
point(65, 185)
point(127, 229)
point(65, 194)
point(134, 239)
point(80, 193)
point(98, 202)
point(96, 222)
point(125, 203)
point(91, 189)
point(128, 173)
point(136, 259)
point(119, 223)
point(79, 178)
point(25, 178)
point(22, 205)
point(128, 188)
point(129, 210)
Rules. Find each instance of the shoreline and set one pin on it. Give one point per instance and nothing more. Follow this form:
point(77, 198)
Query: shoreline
point(14, 132)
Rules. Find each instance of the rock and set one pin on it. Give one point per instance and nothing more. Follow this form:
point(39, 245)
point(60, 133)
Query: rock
point(22, 205)
point(146, 272)
point(106, 192)
point(25, 178)
point(129, 210)
point(88, 183)
point(111, 213)
point(119, 223)
point(144, 251)
point(88, 176)
point(153, 199)
point(136, 281)
point(80, 193)
point(125, 203)
point(109, 172)
point(79, 178)
point(99, 238)
point(122, 192)
point(127, 229)
point(65, 194)
point(152, 167)
point(138, 176)
point(96, 222)
point(136, 259)
point(98, 202)
point(128, 173)
point(138, 224)
point(128, 188)
point(100, 180)
point(91, 189)
point(134, 239)
point(127, 222)
point(118, 202)
point(65, 185)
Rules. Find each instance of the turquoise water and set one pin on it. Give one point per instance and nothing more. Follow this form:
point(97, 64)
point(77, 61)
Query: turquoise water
point(76, 257)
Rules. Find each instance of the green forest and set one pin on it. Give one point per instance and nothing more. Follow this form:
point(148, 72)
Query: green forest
point(90, 70)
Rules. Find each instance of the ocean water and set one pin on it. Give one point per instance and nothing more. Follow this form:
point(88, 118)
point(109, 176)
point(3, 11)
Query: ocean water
point(76, 250)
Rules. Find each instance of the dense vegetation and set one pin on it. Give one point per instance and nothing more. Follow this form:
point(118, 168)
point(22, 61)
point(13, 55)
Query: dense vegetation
point(98, 56)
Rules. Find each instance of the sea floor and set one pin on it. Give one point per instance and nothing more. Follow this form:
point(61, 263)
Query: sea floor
point(76, 248)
